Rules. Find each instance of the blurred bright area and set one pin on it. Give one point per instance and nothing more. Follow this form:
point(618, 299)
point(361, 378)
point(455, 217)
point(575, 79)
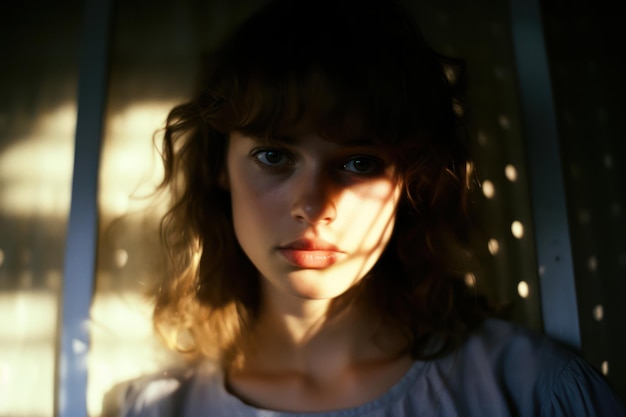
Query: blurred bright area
point(38, 81)
point(123, 343)
point(35, 184)
point(38, 114)
point(36, 170)
point(130, 166)
point(27, 350)
point(36, 154)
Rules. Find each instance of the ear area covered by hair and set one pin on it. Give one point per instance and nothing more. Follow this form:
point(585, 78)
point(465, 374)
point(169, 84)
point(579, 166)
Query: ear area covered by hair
point(223, 181)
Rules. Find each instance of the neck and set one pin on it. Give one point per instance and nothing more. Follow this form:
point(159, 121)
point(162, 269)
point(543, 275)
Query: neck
point(297, 334)
point(308, 321)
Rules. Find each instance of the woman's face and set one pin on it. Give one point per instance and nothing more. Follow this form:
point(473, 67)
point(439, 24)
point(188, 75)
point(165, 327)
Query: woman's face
point(312, 215)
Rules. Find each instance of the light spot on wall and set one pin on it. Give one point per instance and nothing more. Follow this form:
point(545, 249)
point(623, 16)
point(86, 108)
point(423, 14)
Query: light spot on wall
point(592, 263)
point(517, 228)
point(458, 109)
point(598, 312)
point(493, 246)
point(450, 73)
point(470, 279)
point(523, 289)
point(511, 172)
point(488, 189)
point(605, 368)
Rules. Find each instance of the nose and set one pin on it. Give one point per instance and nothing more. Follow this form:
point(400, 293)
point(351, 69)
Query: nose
point(313, 200)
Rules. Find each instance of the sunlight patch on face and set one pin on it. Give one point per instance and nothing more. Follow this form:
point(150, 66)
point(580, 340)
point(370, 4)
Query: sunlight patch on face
point(364, 235)
point(310, 198)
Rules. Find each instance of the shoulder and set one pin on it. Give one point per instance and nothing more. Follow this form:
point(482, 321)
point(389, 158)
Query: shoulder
point(156, 395)
point(193, 391)
point(509, 348)
point(530, 373)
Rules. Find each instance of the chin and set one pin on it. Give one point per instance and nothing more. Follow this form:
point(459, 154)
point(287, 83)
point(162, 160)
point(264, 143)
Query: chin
point(318, 287)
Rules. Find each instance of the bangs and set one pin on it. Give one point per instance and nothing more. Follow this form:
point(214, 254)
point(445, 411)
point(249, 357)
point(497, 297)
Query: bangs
point(269, 108)
point(351, 71)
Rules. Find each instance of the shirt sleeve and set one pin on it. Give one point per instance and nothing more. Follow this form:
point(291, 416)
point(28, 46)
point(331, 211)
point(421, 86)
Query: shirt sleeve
point(152, 398)
point(580, 391)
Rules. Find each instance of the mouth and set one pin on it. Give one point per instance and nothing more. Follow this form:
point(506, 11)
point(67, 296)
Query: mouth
point(310, 253)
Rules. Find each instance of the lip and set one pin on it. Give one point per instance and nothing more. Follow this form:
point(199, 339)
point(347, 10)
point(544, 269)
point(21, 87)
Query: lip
point(310, 253)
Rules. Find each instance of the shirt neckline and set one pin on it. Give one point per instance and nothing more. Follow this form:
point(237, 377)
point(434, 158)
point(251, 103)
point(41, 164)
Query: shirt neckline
point(397, 391)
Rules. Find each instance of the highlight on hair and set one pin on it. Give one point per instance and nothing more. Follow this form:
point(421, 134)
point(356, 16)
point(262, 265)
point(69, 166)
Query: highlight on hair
point(333, 61)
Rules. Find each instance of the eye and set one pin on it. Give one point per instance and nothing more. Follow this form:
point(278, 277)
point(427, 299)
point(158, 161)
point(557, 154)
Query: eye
point(363, 165)
point(272, 158)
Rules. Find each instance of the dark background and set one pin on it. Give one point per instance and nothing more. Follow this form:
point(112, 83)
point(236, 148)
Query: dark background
point(154, 50)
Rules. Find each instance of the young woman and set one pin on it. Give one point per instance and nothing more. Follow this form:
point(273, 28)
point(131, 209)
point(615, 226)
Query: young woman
point(319, 182)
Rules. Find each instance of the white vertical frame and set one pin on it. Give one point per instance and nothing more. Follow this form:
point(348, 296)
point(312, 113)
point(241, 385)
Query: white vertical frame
point(554, 255)
point(82, 235)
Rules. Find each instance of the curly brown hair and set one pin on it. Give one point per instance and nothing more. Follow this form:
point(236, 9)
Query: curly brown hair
point(329, 60)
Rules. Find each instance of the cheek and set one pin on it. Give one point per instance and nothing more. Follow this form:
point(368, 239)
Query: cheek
point(254, 208)
point(380, 221)
point(372, 218)
point(381, 201)
point(246, 206)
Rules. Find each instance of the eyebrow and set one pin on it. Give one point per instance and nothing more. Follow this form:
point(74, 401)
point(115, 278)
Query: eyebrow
point(290, 140)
